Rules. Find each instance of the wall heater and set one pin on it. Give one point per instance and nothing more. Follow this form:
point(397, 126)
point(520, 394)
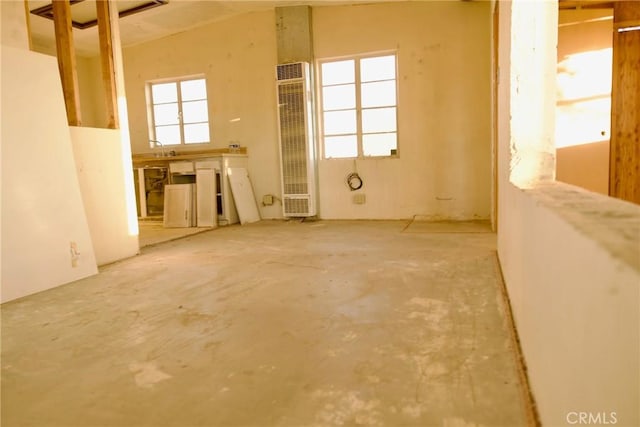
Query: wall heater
point(296, 134)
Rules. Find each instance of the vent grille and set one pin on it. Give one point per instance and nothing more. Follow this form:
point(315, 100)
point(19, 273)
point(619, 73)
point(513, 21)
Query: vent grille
point(290, 71)
point(296, 137)
point(296, 206)
point(293, 138)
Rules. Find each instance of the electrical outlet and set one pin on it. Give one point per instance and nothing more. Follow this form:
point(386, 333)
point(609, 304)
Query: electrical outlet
point(359, 199)
point(75, 254)
point(267, 200)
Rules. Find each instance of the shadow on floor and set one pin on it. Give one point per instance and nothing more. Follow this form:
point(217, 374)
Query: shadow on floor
point(153, 232)
point(418, 225)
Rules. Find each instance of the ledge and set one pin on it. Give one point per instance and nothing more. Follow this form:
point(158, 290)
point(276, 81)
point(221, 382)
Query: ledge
point(614, 224)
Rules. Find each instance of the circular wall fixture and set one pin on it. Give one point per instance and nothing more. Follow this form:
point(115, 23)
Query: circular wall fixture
point(354, 181)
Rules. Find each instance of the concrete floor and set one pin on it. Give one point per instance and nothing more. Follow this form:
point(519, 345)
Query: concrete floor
point(153, 232)
point(274, 323)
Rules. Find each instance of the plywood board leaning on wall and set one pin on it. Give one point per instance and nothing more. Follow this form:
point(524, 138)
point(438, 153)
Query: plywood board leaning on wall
point(243, 195)
point(42, 211)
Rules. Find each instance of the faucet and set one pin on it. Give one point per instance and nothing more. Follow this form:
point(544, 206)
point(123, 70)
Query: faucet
point(158, 143)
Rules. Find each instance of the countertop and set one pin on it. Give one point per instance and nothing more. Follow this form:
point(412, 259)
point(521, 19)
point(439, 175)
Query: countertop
point(150, 159)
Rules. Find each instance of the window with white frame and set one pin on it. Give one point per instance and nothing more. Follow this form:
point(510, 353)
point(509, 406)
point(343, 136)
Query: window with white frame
point(179, 112)
point(359, 107)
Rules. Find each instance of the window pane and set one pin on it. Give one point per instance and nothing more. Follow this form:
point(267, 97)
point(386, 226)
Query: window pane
point(339, 97)
point(194, 112)
point(194, 134)
point(379, 68)
point(168, 135)
point(164, 92)
point(193, 89)
point(378, 94)
point(379, 120)
point(379, 144)
point(338, 72)
point(340, 146)
point(338, 122)
point(165, 114)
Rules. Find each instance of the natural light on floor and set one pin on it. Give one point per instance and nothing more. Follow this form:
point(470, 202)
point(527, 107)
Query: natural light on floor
point(583, 109)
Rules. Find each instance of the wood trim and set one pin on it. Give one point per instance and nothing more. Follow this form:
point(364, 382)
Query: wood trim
point(585, 4)
point(624, 154)
point(107, 64)
point(495, 81)
point(67, 60)
point(626, 24)
point(27, 17)
point(46, 11)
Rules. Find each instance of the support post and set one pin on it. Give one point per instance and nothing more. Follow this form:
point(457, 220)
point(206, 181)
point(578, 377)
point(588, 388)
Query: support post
point(624, 155)
point(67, 60)
point(106, 59)
point(27, 17)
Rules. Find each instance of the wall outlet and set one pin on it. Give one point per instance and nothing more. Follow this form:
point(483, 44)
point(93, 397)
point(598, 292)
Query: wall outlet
point(359, 199)
point(75, 254)
point(267, 200)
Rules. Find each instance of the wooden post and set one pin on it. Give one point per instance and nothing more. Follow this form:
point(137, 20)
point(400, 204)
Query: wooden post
point(495, 142)
point(67, 60)
point(106, 58)
point(624, 154)
point(27, 17)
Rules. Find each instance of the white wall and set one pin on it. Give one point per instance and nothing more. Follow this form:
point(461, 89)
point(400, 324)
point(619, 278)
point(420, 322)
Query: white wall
point(238, 58)
point(42, 209)
point(98, 161)
point(444, 60)
point(574, 291)
point(92, 102)
point(444, 169)
point(14, 24)
point(570, 258)
point(584, 165)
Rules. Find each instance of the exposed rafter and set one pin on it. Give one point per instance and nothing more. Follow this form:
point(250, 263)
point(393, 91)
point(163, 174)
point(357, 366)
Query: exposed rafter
point(47, 12)
point(584, 4)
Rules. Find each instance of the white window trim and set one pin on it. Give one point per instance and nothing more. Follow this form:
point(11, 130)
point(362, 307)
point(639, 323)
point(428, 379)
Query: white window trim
point(151, 114)
point(357, 58)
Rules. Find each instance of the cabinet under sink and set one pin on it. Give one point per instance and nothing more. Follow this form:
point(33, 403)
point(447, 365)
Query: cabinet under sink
point(150, 183)
point(212, 190)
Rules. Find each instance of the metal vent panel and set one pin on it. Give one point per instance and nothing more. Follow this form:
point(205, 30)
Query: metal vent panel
point(296, 207)
point(290, 71)
point(293, 139)
point(296, 137)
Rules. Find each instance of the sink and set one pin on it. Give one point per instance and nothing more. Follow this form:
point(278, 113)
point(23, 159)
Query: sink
point(169, 154)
